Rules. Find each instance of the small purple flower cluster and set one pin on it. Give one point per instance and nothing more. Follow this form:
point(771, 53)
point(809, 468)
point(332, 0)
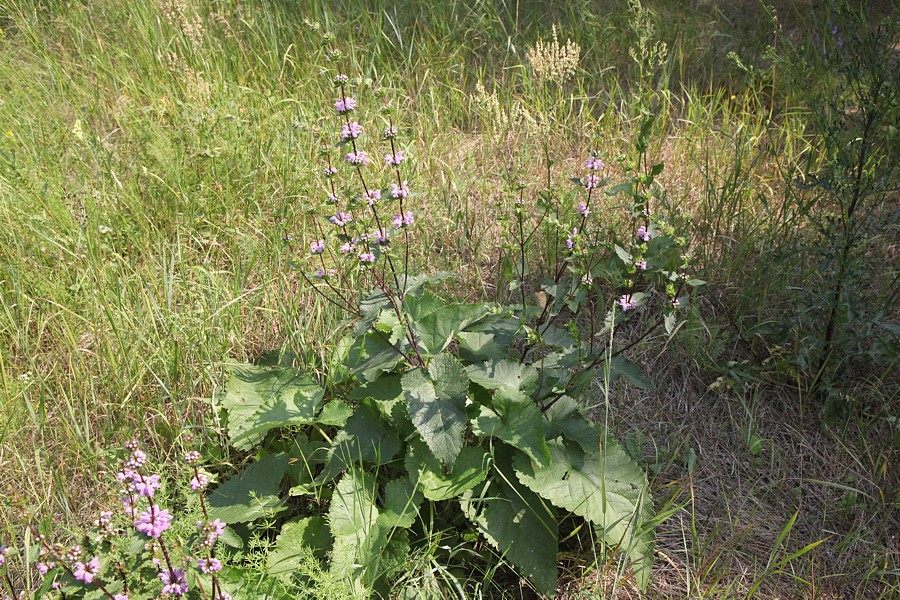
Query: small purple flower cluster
point(152, 522)
point(365, 247)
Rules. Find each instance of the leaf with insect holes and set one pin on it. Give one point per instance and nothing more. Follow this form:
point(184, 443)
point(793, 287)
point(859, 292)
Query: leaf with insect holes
point(258, 399)
point(517, 522)
point(436, 401)
point(251, 494)
point(606, 488)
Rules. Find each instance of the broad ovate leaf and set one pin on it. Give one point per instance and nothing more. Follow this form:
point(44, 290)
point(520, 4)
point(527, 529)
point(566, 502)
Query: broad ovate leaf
point(505, 373)
point(517, 522)
point(251, 494)
point(258, 399)
point(298, 540)
point(606, 488)
point(436, 402)
point(514, 418)
point(426, 473)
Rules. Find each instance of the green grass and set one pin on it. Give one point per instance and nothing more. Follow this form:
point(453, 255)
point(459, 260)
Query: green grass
point(145, 203)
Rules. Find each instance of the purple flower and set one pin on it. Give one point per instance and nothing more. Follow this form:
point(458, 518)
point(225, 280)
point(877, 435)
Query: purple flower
point(399, 191)
point(44, 568)
point(211, 531)
point(210, 565)
point(583, 209)
point(594, 164)
point(332, 197)
point(341, 79)
point(347, 248)
point(570, 241)
point(371, 196)
point(592, 181)
point(86, 572)
point(390, 132)
point(199, 482)
point(379, 236)
point(329, 171)
point(344, 105)
point(627, 302)
point(643, 234)
point(192, 457)
point(153, 521)
point(357, 159)
point(366, 257)
point(341, 218)
point(173, 582)
point(125, 476)
point(351, 131)
point(317, 247)
point(400, 220)
point(394, 159)
point(145, 486)
point(641, 264)
point(137, 460)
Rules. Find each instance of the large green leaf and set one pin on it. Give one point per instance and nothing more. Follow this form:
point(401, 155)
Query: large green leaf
point(517, 522)
point(607, 488)
point(252, 494)
point(496, 374)
point(488, 339)
point(353, 517)
point(425, 471)
point(436, 402)
point(364, 439)
point(515, 419)
point(370, 355)
point(620, 366)
point(564, 418)
point(436, 322)
point(298, 540)
point(258, 399)
point(401, 504)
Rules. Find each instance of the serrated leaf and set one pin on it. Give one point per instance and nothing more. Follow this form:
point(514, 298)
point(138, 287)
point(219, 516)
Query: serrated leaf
point(353, 517)
point(370, 355)
point(565, 419)
point(620, 366)
point(514, 418)
point(258, 399)
point(496, 374)
point(297, 540)
point(251, 494)
point(469, 469)
point(401, 504)
point(606, 488)
point(436, 322)
point(364, 439)
point(335, 413)
point(439, 419)
point(487, 339)
point(623, 255)
point(518, 523)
